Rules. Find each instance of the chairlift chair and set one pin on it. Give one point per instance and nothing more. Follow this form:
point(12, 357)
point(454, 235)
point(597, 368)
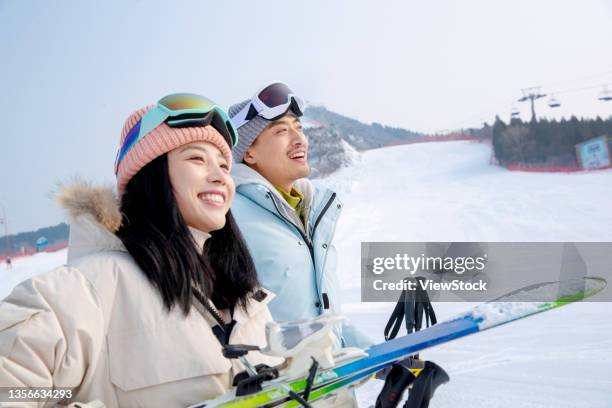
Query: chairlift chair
point(554, 102)
point(605, 95)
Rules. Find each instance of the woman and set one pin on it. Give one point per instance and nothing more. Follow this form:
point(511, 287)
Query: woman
point(156, 281)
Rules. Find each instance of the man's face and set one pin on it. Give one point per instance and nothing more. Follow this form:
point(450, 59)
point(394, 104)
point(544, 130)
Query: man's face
point(280, 152)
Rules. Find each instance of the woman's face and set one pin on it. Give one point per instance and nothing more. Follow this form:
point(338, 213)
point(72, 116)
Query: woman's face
point(203, 188)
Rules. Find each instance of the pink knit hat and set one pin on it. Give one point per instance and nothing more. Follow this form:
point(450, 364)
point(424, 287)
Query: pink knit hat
point(161, 140)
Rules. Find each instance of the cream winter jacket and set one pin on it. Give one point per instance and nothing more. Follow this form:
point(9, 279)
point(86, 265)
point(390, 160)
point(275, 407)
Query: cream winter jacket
point(97, 326)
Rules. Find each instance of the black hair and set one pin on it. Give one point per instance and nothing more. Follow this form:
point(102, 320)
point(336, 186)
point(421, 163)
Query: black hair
point(156, 235)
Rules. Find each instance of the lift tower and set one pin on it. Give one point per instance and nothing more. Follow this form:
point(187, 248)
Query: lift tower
point(531, 94)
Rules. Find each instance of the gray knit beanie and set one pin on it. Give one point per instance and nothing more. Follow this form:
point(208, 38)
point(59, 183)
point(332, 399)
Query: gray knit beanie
point(248, 132)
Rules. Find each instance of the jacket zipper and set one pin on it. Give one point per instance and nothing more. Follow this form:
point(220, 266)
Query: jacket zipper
point(304, 237)
point(331, 199)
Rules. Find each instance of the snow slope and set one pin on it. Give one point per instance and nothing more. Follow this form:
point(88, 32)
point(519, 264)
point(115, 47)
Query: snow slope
point(26, 267)
point(449, 192)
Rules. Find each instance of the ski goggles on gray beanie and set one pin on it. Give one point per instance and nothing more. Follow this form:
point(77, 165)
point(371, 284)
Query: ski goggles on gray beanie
point(252, 116)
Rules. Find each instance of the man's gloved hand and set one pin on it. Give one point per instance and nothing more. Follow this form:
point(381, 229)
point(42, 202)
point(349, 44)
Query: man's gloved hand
point(414, 364)
point(421, 377)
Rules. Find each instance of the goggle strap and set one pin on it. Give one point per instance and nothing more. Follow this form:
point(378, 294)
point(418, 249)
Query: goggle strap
point(240, 119)
point(130, 139)
point(152, 119)
point(252, 113)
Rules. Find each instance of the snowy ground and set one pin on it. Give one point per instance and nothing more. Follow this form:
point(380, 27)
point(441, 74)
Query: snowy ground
point(449, 192)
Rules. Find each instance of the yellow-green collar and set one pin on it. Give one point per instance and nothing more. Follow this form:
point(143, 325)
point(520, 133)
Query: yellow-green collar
point(293, 199)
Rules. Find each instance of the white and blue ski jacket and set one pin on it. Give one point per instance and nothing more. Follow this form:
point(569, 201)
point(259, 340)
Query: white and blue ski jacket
point(297, 264)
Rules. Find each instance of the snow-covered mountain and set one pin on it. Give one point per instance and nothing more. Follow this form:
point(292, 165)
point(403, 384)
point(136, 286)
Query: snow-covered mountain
point(328, 151)
point(360, 135)
point(335, 138)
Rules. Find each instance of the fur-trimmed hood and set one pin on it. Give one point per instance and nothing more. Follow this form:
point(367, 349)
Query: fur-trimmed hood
point(94, 218)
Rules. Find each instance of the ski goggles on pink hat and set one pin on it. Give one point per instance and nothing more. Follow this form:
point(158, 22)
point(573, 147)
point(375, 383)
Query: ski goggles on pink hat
point(272, 102)
point(180, 110)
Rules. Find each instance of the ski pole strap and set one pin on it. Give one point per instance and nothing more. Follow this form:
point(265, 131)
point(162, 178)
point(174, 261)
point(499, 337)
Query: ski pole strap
point(422, 308)
point(411, 307)
point(395, 321)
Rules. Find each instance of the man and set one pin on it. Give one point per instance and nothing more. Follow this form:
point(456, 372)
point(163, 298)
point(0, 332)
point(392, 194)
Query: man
point(287, 222)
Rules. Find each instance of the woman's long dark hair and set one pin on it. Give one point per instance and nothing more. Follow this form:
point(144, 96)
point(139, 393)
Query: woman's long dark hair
point(155, 234)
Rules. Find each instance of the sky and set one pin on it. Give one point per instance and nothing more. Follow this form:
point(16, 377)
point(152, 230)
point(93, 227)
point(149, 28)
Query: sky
point(72, 71)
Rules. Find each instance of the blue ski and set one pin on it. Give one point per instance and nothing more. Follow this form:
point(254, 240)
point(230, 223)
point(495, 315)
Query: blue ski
point(482, 317)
